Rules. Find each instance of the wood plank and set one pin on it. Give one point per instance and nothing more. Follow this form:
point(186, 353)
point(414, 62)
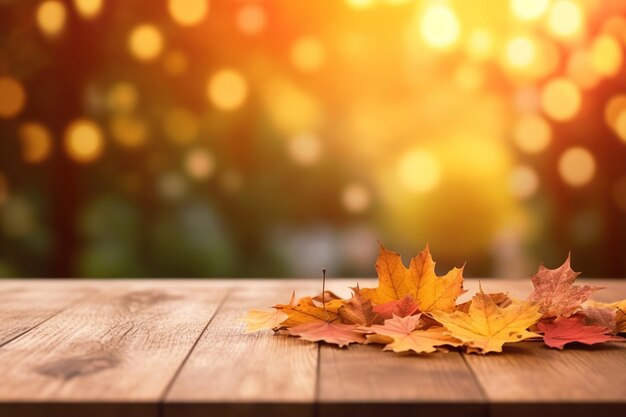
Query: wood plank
point(233, 373)
point(364, 381)
point(25, 305)
point(113, 353)
point(578, 381)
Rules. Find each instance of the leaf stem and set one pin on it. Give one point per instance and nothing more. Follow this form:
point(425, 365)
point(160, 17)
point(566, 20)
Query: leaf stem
point(324, 293)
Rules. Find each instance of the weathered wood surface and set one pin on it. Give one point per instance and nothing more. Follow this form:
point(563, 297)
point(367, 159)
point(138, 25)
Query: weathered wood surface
point(175, 348)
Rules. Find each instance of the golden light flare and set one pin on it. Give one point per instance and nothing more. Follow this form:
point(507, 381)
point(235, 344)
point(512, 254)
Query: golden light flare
point(199, 164)
point(122, 97)
point(356, 198)
point(227, 89)
point(188, 12)
point(304, 149)
point(128, 131)
point(51, 16)
point(307, 54)
point(181, 126)
point(581, 71)
point(251, 19)
point(529, 9)
point(439, 26)
point(565, 19)
point(419, 171)
point(84, 141)
point(36, 142)
point(12, 97)
point(560, 99)
point(532, 133)
point(606, 56)
point(479, 45)
point(524, 182)
point(577, 166)
point(88, 9)
point(520, 51)
point(145, 42)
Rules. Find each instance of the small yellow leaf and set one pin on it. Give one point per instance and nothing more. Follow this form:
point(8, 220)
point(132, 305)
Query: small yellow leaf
point(263, 319)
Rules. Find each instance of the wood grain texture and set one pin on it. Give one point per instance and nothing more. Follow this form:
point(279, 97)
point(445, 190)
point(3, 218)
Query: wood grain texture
point(231, 373)
point(24, 306)
point(113, 353)
point(532, 378)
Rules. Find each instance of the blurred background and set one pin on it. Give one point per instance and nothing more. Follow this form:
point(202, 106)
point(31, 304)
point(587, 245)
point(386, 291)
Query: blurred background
point(232, 138)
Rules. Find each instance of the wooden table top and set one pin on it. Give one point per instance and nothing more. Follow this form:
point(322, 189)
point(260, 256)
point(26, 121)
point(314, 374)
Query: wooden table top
point(175, 348)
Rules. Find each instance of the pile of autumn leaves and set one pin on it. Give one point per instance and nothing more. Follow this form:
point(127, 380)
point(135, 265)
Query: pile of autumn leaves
point(413, 309)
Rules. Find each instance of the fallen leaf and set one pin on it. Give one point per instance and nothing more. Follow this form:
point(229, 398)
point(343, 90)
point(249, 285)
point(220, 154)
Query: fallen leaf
point(419, 281)
point(263, 319)
point(556, 293)
point(601, 316)
point(405, 338)
point(618, 308)
point(487, 327)
point(406, 306)
point(500, 298)
point(305, 311)
point(327, 297)
point(336, 333)
point(564, 330)
point(359, 310)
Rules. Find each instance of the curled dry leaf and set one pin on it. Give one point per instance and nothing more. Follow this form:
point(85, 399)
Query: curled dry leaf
point(564, 330)
point(556, 293)
point(336, 333)
point(487, 327)
point(263, 319)
point(404, 336)
point(419, 281)
point(359, 310)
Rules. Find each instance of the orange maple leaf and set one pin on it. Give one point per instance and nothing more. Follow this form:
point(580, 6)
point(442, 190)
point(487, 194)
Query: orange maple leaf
point(404, 337)
point(339, 334)
point(305, 311)
point(419, 281)
point(487, 327)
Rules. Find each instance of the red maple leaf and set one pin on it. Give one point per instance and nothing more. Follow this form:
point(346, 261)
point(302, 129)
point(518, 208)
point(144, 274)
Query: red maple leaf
point(564, 330)
point(321, 331)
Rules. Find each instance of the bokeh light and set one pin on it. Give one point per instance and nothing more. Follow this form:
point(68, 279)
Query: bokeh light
point(227, 90)
point(199, 164)
point(581, 71)
point(88, 9)
point(560, 99)
point(620, 125)
point(181, 126)
point(145, 42)
point(307, 54)
point(84, 141)
point(304, 149)
point(565, 19)
point(355, 198)
point(529, 9)
point(175, 62)
point(577, 166)
point(122, 97)
point(36, 142)
point(524, 182)
point(51, 17)
point(532, 133)
point(606, 56)
point(188, 12)
point(419, 171)
point(439, 26)
point(479, 45)
point(12, 97)
point(128, 131)
point(251, 19)
point(520, 51)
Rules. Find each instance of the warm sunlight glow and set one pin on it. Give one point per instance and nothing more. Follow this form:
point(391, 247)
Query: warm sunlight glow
point(227, 89)
point(565, 18)
point(532, 133)
point(355, 198)
point(36, 142)
point(251, 19)
point(12, 97)
point(88, 8)
point(145, 42)
point(529, 9)
point(307, 54)
point(439, 26)
point(560, 99)
point(419, 171)
point(577, 166)
point(84, 141)
point(188, 12)
point(606, 56)
point(51, 16)
point(520, 51)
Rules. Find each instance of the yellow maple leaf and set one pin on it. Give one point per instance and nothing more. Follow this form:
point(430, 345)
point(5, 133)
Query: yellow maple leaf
point(431, 292)
point(487, 327)
point(263, 319)
point(305, 311)
point(399, 335)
